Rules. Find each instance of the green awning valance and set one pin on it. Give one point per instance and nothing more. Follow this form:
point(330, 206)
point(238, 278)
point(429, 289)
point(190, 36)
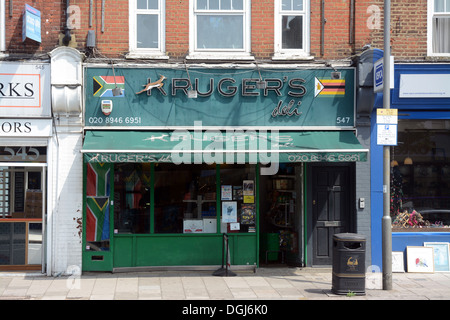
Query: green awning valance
point(229, 146)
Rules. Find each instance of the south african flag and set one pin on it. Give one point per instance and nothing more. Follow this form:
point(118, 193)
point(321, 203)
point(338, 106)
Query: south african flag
point(103, 86)
point(98, 193)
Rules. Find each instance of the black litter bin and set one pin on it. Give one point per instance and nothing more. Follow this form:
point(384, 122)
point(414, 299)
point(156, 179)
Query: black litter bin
point(349, 270)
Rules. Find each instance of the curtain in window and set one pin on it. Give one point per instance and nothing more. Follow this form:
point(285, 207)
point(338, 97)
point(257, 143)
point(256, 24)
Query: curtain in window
point(441, 35)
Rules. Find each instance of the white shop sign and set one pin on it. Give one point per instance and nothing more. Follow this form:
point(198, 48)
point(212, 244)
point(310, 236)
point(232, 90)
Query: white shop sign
point(26, 127)
point(424, 86)
point(24, 89)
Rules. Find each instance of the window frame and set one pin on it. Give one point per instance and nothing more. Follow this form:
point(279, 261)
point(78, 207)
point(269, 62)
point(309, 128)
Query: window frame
point(219, 53)
point(431, 14)
point(279, 52)
point(147, 52)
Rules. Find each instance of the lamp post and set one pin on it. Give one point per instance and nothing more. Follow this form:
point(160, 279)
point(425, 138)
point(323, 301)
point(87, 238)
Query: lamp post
point(386, 220)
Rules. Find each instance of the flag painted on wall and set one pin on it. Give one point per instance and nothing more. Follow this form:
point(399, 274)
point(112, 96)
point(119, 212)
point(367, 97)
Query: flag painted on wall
point(104, 85)
point(98, 191)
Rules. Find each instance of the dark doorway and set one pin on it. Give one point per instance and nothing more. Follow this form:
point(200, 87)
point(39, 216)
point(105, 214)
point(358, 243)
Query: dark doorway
point(330, 208)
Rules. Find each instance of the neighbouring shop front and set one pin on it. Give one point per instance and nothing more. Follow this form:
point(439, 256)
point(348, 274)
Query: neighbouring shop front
point(174, 158)
point(26, 130)
point(420, 169)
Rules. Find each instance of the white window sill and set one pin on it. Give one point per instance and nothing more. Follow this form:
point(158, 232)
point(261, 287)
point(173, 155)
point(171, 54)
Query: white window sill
point(220, 56)
point(147, 55)
point(439, 55)
point(291, 56)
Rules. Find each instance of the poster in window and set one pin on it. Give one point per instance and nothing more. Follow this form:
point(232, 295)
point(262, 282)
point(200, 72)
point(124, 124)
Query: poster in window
point(249, 187)
point(226, 193)
point(229, 211)
point(248, 214)
point(237, 193)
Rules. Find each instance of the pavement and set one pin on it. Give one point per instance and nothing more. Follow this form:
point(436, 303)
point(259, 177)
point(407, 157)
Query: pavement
point(283, 284)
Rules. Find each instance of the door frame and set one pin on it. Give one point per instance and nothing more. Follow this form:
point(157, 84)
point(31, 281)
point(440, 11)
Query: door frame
point(309, 206)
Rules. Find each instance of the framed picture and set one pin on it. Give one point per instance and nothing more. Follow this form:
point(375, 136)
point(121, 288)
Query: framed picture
point(398, 264)
point(441, 255)
point(420, 259)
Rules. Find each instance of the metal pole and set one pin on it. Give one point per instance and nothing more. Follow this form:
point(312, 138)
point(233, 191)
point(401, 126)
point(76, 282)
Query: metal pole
point(386, 221)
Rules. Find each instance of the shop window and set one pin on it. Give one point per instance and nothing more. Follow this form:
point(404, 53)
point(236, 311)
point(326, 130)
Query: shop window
point(420, 176)
point(147, 21)
point(22, 204)
point(438, 27)
point(132, 185)
point(221, 25)
point(291, 27)
point(185, 198)
point(238, 198)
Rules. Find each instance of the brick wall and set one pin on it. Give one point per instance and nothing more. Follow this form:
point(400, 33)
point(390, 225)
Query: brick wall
point(408, 32)
point(408, 28)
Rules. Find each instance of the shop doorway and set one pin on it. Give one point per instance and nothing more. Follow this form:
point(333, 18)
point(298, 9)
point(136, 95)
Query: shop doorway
point(329, 206)
point(281, 223)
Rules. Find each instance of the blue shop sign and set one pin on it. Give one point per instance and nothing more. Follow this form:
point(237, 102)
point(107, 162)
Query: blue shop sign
point(31, 26)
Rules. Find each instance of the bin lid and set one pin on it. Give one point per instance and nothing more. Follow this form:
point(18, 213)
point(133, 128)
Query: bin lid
point(349, 237)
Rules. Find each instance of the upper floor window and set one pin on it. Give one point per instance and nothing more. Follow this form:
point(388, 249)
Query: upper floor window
point(291, 27)
point(220, 26)
point(147, 26)
point(439, 27)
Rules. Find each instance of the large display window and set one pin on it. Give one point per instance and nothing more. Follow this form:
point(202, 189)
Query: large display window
point(420, 176)
point(22, 204)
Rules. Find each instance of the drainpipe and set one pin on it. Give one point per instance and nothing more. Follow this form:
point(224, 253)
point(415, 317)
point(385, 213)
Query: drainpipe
point(67, 36)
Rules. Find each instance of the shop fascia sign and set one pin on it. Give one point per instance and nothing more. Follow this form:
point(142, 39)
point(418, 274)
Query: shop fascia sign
point(226, 88)
point(26, 127)
point(24, 89)
point(162, 97)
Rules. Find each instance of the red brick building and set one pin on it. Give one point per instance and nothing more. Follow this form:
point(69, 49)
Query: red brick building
point(308, 40)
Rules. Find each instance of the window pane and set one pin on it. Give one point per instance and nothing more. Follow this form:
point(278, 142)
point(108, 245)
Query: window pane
point(153, 4)
point(202, 4)
point(185, 199)
point(422, 186)
point(141, 4)
point(286, 5)
point(147, 31)
point(225, 5)
point(238, 5)
point(441, 35)
point(292, 32)
point(34, 243)
point(298, 5)
point(238, 214)
point(220, 32)
point(439, 5)
point(213, 4)
point(132, 198)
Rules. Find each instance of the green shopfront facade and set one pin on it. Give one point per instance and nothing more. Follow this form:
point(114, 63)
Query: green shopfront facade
point(166, 175)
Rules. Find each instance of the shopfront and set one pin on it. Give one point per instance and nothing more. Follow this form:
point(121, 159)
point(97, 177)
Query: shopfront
point(420, 171)
point(167, 174)
point(26, 130)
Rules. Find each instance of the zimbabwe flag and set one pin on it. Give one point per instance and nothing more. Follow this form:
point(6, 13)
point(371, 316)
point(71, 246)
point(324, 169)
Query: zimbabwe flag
point(103, 86)
point(329, 87)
